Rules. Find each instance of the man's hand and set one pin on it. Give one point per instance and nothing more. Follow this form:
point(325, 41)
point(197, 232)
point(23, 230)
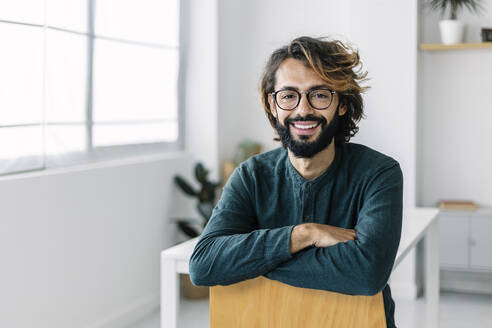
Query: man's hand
point(318, 235)
point(326, 235)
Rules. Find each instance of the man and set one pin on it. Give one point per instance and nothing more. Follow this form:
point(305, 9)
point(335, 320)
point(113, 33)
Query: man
point(320, 212)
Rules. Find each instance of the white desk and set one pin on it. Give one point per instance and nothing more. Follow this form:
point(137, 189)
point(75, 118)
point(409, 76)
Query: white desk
point(418, 223)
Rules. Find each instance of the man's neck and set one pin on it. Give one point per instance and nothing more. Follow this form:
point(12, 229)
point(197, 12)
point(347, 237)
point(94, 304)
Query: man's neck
point(311, 168)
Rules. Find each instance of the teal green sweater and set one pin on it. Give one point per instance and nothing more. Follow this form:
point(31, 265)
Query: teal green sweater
point(249, 232)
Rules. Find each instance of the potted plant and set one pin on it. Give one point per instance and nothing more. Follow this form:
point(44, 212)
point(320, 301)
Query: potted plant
point(206, 197)
point(452, 30)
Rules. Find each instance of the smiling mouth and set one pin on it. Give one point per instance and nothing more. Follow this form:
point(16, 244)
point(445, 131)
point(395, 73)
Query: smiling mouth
point(305, 128)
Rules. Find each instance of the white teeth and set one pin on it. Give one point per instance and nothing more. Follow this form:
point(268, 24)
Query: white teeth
point(305, 127)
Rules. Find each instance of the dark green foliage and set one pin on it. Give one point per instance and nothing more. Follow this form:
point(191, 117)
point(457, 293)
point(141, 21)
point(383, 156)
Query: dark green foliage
point(185, 186)
point(200, 173)
point(187, 229)
point(456, 5)
point(206, 197)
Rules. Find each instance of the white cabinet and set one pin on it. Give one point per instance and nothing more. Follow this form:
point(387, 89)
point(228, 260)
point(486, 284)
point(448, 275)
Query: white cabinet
point(481, 242)
point(454, 237)
point(466, 240)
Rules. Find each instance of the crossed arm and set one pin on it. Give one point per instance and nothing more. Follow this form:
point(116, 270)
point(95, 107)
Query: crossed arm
point(351, 261)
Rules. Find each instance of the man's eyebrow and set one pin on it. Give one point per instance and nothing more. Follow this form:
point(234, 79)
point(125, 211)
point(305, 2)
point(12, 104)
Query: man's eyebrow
point(318, 86)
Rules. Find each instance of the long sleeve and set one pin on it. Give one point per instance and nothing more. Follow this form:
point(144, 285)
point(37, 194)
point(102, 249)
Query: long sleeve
point(362, 266)
point(232, 248)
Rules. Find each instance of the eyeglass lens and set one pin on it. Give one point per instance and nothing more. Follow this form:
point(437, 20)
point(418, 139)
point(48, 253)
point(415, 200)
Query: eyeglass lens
point(289, 99)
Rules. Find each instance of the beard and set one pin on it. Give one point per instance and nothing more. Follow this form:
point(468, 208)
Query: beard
point(302, 148)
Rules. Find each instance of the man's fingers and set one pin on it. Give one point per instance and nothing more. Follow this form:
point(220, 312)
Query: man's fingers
point(350, 235)
point(345, 236)
point(351, 232)
point(331, 235)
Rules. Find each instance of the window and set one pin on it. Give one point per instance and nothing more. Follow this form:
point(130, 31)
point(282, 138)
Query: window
point(84, 80)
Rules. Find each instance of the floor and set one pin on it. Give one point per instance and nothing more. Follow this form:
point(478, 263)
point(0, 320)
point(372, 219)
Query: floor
point(457, 310)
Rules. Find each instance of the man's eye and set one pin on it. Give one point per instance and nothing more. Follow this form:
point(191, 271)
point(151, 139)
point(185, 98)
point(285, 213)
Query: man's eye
point(320, 95)
point(287, 96)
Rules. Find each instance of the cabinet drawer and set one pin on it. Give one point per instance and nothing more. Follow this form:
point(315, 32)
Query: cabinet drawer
point(454, 232)
point(481, 242)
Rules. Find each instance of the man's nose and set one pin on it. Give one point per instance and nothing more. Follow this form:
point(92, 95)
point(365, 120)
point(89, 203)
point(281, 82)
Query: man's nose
point(304, 107)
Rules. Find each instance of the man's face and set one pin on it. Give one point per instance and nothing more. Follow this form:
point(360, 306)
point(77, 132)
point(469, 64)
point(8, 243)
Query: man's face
point(292, 125)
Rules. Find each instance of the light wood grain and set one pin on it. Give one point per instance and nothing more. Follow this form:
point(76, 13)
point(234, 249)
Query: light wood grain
point(265, 303)
point(458, 46)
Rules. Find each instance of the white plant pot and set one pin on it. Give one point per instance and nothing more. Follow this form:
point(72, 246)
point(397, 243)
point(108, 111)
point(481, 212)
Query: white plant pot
point(452, 31)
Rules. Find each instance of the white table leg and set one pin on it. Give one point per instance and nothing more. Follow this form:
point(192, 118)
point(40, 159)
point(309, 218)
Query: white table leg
point(432, 274)
point(169, 293)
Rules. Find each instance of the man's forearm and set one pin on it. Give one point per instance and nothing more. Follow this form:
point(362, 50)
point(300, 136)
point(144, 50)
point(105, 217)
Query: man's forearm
point(301, 237)
point(223, 257)
point(319, 235)
point(343, 268)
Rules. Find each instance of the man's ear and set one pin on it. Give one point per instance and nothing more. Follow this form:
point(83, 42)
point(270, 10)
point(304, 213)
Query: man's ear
point(342, 108)
point(271, 102)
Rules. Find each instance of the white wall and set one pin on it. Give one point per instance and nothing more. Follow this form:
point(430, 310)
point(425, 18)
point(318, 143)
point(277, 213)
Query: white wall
point(455, 116)
point(385, 32)
point(201, 88)
point(80, 247)
point(231, 115)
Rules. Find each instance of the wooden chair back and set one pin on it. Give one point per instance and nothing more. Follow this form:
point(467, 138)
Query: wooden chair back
point(265, 303)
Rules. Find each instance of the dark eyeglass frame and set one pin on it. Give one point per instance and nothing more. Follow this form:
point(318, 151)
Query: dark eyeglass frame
point(299, 95)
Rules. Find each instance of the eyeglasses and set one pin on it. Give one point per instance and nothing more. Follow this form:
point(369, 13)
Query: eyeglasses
point(289, 99)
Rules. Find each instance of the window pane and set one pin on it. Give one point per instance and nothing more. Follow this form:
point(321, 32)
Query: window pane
point(119, 134)
point(61, 140)
point(21, 148)
point(67, 14)
point(134, 82)
point(66, 78)
point(154, 21)
point(21, 77)
point(23, 11)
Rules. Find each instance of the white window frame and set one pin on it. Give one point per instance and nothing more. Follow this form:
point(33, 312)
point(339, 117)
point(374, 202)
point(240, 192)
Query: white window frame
point(101, 153)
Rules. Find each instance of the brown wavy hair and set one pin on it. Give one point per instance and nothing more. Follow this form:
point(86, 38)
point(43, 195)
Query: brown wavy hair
point(334, 62)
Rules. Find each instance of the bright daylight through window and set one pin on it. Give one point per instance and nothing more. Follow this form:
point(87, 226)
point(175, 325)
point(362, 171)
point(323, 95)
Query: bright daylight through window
point(82, 80)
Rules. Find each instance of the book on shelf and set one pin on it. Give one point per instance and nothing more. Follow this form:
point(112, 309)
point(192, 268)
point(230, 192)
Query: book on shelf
point(457, 205)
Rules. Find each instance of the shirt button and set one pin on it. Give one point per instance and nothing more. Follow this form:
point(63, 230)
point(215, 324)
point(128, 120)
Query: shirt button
point(306, 218)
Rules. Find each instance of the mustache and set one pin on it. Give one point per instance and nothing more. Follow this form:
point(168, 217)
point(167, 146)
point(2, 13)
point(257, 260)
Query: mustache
point(309, 117)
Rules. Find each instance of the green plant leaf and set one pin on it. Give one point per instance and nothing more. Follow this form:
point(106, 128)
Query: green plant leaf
point(454, 6)
point(201, 173)
point(194, 221)
point(185, 186)
point(187, 229)
point(212, 192)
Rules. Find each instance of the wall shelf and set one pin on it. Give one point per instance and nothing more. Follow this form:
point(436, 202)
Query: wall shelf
point(458, 46)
